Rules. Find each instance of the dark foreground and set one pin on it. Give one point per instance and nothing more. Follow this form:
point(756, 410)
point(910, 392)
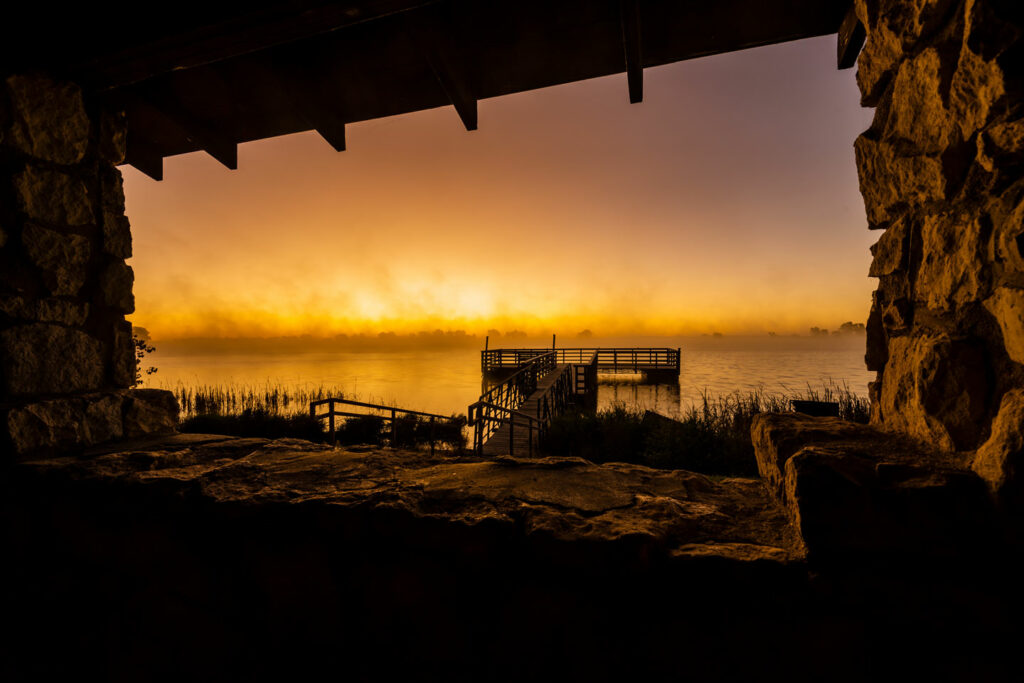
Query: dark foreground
point(214, 558)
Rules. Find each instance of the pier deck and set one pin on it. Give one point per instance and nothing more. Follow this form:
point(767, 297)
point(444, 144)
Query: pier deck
point(656, 363)
point(517, 436)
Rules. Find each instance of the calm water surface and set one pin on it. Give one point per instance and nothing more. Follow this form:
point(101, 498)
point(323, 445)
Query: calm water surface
point(446, 381)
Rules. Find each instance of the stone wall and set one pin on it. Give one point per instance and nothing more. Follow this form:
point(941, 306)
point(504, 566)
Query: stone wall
point(941, 174)
point(66, 351)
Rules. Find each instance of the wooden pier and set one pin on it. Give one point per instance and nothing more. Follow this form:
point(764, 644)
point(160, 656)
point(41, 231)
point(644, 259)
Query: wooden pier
point(656, 364)
point(533, 386)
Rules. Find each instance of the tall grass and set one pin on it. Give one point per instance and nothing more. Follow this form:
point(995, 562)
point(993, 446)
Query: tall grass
point(712, 437)
point(276, 411)
point(235, 399)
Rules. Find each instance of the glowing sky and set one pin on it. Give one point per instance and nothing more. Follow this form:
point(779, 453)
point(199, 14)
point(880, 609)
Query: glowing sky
point(727, 201)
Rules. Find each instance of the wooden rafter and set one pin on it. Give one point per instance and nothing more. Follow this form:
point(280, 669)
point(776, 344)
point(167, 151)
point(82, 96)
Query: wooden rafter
point(244, 34)
point(436, 43)
point(850, 40)
point(144, 156)
point(214, 143)
point(631, 43)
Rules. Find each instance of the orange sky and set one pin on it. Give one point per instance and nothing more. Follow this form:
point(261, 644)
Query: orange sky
point(727, 201)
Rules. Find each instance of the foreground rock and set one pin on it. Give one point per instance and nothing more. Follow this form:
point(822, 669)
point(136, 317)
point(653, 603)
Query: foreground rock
point(652, 512)
point(854, 492)
point(250, 558)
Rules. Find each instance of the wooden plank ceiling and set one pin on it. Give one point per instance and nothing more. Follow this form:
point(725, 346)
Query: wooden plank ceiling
point(208, 76)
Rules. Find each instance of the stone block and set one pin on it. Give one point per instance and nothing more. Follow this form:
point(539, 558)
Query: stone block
point(123, 351)
point(60, 257)
point(1001, 144)
point(70, 313)
point(46, 310)
point(49, 359)
point(149, 411)
point(63, 425)
point(855, 502)
point(1007, 306)
point(53, 197)
point(876, 350)
point(877, 62)
point(856, 491)
point(116, 287)
point(46, 426)
point(778, 436)
point(894, 28)
point(954, 268)
point(113, 137)
point(891, 183)
point(117, 235)
point(103, 418)
point(117, 238)
point(917, 114)
point(936, 390)
point(890, 253)
point(1007, 215)
point(993, 27)
point(48, 119)
point(1000, 460)
point(976, 89)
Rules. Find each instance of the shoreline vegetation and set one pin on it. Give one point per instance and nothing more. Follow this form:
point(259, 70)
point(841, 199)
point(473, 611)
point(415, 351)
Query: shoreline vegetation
point(712, 437)
point(274, 411)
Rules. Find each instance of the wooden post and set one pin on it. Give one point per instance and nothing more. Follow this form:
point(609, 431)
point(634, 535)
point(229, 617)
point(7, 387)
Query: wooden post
point(394, 428)
point(330, 422)
point(511, 431)
point(552, 342)
point(487, 342)
point(431, 436)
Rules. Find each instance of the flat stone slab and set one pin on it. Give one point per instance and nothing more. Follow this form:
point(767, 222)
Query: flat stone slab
point(677, 515)
point(852, 490)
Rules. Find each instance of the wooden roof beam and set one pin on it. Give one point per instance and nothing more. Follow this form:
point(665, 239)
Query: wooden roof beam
point(440, 52)
point(307, 105)
point(216, 144)
point(144, 156)
point(631, 43)
point(851, 39)
point(244, 34)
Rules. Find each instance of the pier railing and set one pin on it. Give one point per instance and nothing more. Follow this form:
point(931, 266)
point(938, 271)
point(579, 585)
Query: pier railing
point(385, 413)
point(501, 403)
point(614, 359)
point(490, 416)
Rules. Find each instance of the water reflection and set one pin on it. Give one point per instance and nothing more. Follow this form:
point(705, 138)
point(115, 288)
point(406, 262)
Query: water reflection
point(447, 381)
point(633, 391)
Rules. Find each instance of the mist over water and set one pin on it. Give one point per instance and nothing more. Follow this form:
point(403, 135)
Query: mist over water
point(447, 380)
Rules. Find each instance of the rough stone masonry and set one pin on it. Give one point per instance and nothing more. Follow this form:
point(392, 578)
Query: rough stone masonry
point(941, 174)
point(66, 354)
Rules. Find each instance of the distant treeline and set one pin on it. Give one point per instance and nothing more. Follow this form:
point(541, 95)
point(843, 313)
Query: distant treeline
point(848, 327)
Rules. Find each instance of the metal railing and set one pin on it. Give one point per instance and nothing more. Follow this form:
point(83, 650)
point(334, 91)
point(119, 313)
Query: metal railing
point(391, 414)
point(487, 417)
point(502, 403)
point(497, 403)
point(613, 359)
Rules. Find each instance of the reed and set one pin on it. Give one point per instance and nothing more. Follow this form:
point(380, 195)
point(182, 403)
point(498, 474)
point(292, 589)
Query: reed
point(276, 411)
point(712, 437)
point(235, 399)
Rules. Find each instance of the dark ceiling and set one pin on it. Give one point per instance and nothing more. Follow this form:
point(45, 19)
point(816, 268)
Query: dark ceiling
point(209, 75)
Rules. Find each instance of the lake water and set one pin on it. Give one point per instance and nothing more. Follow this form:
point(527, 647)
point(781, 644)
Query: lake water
point(448, 380)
